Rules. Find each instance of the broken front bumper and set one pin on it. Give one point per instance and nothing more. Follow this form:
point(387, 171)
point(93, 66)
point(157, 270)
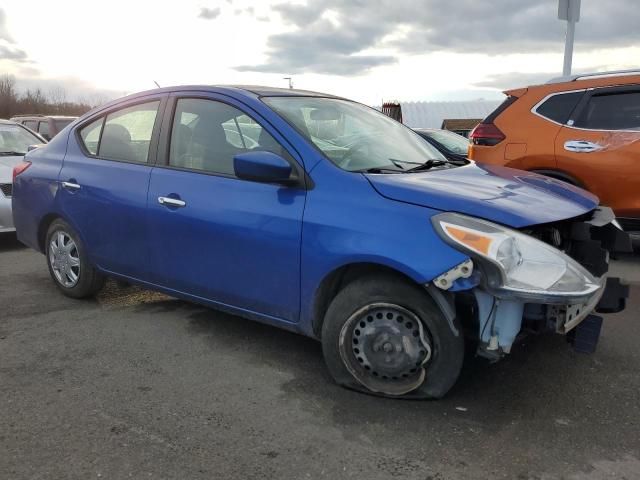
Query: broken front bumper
point(499, 317)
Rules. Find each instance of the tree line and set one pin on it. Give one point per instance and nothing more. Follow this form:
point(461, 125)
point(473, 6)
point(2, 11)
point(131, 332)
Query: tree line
point(36, 101)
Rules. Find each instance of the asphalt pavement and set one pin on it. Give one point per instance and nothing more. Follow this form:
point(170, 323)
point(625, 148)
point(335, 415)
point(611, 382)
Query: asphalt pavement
point(134, 384)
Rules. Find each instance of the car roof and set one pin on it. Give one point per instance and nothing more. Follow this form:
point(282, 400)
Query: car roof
point(253, 90)
point(278, 92)
point(581, 82)
point(38, 115)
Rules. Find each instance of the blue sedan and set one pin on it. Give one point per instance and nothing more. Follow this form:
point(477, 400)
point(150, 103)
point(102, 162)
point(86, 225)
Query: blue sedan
point(322, 216)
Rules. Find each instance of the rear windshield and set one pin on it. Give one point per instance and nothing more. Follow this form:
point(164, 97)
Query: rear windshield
point(501, 108)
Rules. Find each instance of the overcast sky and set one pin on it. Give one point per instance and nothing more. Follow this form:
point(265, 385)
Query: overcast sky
point(363, 49)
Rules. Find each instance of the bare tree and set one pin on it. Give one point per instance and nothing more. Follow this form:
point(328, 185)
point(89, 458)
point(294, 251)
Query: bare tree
point(58, 98)
point(8, 95)
point(34, 100)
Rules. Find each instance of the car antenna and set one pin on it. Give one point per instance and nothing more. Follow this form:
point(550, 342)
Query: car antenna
point(157, 84)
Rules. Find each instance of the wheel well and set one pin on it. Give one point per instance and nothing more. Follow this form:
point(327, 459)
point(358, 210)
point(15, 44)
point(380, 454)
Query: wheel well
point(337, 280)
point(558, 175)
point(43, 227)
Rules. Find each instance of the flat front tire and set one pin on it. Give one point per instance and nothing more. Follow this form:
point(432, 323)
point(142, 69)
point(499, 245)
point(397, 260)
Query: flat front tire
point(68, 263)
point(386, 336)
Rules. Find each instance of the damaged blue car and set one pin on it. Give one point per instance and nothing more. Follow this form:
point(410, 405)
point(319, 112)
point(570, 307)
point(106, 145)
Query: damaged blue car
point(322, 216)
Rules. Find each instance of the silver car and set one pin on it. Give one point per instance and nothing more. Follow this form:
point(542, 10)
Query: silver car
point(14, 143)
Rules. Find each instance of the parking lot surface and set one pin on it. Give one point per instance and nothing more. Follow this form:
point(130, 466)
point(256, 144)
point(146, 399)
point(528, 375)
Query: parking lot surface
point(138, 385)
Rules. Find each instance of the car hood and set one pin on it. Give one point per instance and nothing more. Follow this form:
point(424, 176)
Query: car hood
point(504, 195)
point(6, 167)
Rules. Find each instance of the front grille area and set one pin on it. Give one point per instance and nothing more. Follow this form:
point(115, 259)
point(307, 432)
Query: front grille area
point(587, 243)
point(590, 245)
point(6, 189)
point(630, 224)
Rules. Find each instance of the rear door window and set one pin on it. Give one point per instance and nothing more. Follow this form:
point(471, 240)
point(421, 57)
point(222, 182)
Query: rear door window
point(126, 134)
point(90, 135)
point(123, 135)
point(611, 111)
point(31, 124)
point(559, 107)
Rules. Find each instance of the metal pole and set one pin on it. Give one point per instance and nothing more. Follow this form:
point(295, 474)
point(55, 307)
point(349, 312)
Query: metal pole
point(568, 47)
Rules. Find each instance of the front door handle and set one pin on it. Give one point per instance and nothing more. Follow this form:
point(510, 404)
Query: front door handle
point(71, 185)
point(582, 146)
point(172, 202)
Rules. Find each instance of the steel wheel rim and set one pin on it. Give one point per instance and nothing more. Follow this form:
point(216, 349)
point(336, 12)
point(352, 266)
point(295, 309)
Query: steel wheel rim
point(386, 347)
point(64, 259)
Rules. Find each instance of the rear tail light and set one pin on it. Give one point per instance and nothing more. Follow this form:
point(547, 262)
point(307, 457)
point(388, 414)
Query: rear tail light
point(486, 134)
point(21, 167)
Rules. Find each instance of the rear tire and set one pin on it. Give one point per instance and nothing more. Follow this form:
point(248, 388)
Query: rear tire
point(68, 262)
point(367, 345)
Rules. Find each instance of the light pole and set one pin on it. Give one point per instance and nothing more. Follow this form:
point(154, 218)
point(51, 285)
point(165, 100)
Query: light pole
point(290, 81)
point(569, 10)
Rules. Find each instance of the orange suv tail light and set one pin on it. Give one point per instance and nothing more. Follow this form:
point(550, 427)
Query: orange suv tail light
point(486, 134)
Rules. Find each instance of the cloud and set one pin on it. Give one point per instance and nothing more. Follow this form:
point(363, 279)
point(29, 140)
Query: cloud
point(321, 47)
point(504, 81)
point(509, 80)
point(4, 31)
point(411, 27)
point(209, 13)
point(13, 54)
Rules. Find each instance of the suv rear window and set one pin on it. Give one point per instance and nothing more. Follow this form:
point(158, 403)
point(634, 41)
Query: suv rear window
point(613, 111)
point(559, 107)
point(60, 124)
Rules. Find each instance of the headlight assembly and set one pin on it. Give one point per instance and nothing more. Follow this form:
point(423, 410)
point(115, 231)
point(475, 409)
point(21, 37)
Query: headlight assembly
point(515, 263)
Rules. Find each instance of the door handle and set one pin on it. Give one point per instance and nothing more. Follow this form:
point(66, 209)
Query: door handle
point(172, 202)
point(582, 146)
point(71, 185)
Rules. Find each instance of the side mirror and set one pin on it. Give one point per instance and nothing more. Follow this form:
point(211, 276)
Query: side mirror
point(263, 166)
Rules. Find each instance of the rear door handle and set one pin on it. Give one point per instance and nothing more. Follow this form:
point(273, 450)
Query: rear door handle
point(71, 185)
point(172, 202)
point(582, 146)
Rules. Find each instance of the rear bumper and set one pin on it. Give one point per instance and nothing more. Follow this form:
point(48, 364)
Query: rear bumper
point(6, 218)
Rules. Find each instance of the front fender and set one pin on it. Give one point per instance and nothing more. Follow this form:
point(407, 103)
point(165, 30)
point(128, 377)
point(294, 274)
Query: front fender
point(351, 223)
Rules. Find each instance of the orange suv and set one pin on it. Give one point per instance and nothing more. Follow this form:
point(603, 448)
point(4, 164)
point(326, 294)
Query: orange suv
point(583, 129)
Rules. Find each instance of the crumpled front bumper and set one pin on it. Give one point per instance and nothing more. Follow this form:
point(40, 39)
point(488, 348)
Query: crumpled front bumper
point(500, 319)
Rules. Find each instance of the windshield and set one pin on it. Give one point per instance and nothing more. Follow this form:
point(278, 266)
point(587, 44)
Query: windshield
point(355, 137)
point(16, 139)
point(451, 141)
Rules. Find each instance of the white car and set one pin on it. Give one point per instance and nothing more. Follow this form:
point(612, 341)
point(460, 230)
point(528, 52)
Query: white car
point(15, 141)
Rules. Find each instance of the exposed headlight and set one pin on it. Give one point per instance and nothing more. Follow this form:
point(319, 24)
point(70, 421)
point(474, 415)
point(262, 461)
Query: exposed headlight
point(515, 263)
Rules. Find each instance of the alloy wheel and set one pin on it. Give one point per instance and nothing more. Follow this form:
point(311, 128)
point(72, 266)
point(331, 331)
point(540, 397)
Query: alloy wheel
point(64, 259)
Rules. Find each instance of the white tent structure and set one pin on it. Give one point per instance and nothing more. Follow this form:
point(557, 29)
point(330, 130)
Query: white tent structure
point(432, 114)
